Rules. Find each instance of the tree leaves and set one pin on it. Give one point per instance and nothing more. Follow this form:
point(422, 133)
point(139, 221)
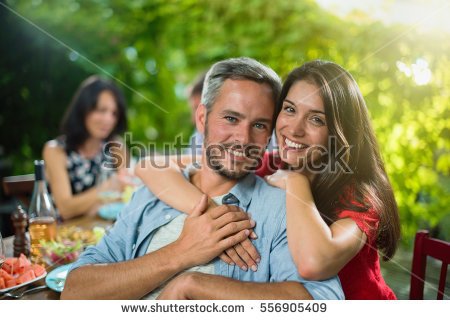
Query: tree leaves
point(171, 41)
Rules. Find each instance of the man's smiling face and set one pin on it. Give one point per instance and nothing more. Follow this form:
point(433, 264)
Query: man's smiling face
point(238, 127)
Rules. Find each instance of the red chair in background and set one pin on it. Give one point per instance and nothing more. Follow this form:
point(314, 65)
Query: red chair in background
point(425, 246)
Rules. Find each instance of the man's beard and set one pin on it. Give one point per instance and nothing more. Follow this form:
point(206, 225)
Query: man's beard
point(221, 169)
point(211, 159)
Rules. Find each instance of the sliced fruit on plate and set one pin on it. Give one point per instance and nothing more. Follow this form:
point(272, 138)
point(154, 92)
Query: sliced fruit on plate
point(11, 283)
point(16, 271)
point(26, 276)
point(38, 270)
point(5, 275)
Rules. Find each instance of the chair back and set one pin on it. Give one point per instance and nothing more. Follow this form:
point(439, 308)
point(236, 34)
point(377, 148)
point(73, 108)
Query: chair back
point(20, 187)
point(425, 246)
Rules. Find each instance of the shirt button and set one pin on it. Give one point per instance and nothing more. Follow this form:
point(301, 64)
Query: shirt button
point(134, 245)
point(167, 216)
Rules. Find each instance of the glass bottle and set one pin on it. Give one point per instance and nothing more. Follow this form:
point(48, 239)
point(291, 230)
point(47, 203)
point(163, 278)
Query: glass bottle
point(42, 214)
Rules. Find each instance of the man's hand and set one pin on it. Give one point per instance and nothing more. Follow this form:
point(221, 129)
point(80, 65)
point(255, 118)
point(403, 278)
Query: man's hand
point(206, 236)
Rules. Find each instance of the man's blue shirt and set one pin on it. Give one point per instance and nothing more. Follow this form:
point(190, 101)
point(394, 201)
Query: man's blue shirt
point(131, 234)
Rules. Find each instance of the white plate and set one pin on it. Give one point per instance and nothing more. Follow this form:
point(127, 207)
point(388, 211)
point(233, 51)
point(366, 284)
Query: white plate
point(56, 279)
point(23, 284)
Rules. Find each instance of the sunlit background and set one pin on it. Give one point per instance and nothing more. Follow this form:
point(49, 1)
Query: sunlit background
point(423, 16)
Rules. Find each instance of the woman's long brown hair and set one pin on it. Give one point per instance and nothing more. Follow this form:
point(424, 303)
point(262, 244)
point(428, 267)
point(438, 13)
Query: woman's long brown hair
point(336, 188)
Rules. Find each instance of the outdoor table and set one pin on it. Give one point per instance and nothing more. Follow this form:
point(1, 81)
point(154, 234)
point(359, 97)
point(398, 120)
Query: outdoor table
point(85, 222)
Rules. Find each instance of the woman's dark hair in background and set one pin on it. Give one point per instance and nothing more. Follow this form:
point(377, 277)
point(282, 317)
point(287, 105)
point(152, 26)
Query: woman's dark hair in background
point(348, 122)
point(84, 101)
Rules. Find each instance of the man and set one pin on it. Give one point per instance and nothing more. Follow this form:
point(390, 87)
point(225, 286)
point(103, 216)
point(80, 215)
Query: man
point(151, 242)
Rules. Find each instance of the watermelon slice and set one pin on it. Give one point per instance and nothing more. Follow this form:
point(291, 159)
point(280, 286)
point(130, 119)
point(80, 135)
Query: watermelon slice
point(23, 261)
point(38, 270)
point(27, 276)
point(5, 275)
point(11, 283)
point(8, 265)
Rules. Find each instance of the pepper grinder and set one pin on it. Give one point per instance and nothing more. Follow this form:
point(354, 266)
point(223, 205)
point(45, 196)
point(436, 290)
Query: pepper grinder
point(21, 243)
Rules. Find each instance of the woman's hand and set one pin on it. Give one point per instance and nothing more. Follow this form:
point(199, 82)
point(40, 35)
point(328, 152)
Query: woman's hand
point(111, 190)
point(127, 179)
point(244, 255)
point(279, 178)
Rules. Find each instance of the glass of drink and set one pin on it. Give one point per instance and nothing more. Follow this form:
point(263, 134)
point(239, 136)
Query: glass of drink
point(41, 229)
point(109, 185)
point(2, 251)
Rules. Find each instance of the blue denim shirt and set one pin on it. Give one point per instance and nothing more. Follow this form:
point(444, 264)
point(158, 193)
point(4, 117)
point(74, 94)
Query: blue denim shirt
point(131, 234)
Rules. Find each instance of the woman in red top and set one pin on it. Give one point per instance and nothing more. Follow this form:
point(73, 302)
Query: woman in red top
point(340, 205)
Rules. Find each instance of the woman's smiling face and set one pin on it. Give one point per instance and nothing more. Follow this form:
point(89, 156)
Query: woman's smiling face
point(301, 125)
point(102, 120)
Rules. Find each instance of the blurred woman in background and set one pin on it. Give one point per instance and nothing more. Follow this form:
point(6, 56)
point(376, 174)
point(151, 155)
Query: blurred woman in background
point(90, 137)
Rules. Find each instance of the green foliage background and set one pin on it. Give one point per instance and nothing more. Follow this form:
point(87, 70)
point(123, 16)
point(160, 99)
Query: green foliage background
point(155, 48)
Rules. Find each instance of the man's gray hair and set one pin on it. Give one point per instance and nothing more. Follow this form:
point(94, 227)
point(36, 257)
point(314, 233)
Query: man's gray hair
point(238, 69)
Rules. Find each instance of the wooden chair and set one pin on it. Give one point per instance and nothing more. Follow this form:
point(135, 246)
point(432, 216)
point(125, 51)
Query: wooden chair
point(425, 246)
point(20, 187)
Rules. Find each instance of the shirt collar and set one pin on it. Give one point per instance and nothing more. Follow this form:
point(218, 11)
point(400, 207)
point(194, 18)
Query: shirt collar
point(243, 190)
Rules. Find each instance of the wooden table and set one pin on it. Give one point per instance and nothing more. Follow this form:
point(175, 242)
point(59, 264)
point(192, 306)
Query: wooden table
point(86, 222)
